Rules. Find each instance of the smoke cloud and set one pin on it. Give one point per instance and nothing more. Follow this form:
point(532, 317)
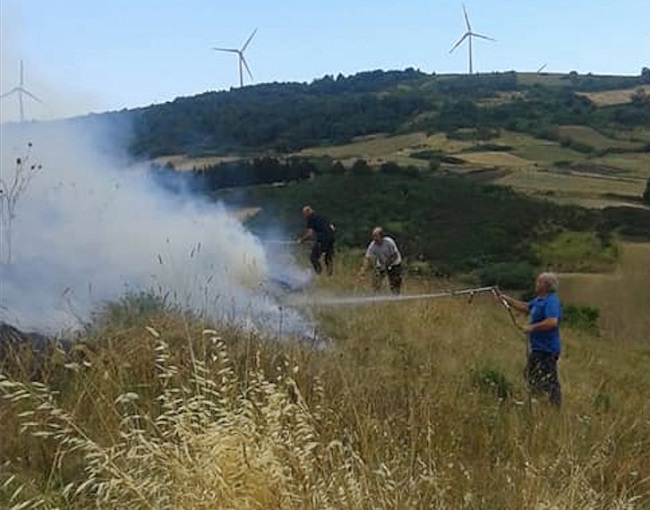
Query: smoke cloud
point(90, 228)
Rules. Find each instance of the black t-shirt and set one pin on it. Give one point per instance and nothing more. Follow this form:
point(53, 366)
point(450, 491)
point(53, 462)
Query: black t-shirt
point(321, 226)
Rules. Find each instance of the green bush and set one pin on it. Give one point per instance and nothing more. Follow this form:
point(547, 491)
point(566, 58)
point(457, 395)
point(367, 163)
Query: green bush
point(584, 318)
point(509, 275)
point(492, 380)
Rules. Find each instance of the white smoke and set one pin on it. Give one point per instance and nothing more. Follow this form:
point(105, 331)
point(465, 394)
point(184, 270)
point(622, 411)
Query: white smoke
point(88, 229)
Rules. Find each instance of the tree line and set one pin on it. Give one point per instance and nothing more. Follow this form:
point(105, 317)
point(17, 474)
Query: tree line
point(285, 117)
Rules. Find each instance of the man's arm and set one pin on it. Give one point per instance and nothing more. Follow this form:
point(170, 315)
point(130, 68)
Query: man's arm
point(367, 259)
point(364, 266)
point(518, 305)
point(551, 317)
point(543, 325)
point(307, 235)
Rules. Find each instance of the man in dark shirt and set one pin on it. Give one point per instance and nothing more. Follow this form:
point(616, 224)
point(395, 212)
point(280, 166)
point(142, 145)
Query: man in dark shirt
point(324, 243)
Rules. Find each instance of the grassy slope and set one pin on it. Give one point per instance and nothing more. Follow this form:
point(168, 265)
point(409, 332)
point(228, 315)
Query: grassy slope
point(622, 296)
point(400, 412)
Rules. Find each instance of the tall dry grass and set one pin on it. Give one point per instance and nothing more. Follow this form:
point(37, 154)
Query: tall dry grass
point(622, 296)
point(414, 405)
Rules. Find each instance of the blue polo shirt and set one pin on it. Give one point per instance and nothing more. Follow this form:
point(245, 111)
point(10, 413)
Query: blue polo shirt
point(539, 309)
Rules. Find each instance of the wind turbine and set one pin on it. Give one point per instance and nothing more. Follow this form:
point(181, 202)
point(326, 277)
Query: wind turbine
point(468, 35)
point(541, 68)
point(242, 59)
point(20, 90)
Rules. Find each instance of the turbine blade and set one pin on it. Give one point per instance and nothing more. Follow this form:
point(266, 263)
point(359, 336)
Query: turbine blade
point(483, 36)
point(248, 40)
point(22, 74)
point(229, 50)
point(542, 67)
point(12, 91)
point(460, 41)
point(30, 95)
point(246, 66)
point(469, 27)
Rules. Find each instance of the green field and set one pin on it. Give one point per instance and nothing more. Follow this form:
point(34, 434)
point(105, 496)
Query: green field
point(592, 138)
point(529, 165)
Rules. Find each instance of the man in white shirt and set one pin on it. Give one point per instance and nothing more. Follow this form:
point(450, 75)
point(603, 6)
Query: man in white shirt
point(387, 260)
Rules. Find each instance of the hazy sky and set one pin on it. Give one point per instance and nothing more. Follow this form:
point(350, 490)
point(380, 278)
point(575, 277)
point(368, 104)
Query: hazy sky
point(91, 55)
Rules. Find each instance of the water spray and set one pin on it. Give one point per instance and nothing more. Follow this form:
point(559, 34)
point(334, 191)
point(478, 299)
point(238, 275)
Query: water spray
point(368, 300)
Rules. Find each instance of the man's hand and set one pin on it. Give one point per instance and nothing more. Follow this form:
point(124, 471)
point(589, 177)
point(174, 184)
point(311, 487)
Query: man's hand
point(528, 328)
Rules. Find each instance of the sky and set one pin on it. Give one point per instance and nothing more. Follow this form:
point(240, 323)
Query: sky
point(84, 56)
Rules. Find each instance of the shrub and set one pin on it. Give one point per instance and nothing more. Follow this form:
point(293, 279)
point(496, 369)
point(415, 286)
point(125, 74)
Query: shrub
point(492, 380)
point(510, 275)
point(584, 318)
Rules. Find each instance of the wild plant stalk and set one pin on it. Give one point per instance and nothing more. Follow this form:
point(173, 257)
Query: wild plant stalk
point(11, 189)
point(415, 405)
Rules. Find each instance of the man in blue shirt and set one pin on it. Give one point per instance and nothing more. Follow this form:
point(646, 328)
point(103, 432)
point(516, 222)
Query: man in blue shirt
point(543, 331)
point(324, 244)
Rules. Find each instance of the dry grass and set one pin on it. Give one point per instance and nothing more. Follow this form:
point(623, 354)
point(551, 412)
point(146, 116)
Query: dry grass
point(636, 164)
point(571, 185)
point(623, 296)
point(537, 149)
point(500, 159)
point(380, 146)
point(594, 203)
point(397, 148)
point(612, 97)
point(415, 405)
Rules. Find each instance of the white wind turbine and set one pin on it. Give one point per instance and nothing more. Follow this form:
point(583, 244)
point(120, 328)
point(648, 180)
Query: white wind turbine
point(241, 58)
point(469, 35)
point(20, 90)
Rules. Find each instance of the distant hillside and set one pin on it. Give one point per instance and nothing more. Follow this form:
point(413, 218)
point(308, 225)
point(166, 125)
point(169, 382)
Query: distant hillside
point(285, 117)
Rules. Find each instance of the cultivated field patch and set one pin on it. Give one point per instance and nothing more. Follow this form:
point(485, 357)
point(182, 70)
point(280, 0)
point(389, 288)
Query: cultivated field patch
point(564, 184)
point(501, 159)
point(592, 138)
point(613, 97)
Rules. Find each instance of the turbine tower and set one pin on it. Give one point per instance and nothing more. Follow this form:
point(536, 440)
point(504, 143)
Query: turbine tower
point(20, 90)
point(469, 35)
point(242, 60)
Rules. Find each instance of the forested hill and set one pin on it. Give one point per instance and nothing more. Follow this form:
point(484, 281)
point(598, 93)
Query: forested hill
point(284, 117)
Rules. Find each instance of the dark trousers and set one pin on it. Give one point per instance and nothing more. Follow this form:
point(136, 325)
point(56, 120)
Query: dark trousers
point(394, 274)
point(323, 247)
point(541, 375)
